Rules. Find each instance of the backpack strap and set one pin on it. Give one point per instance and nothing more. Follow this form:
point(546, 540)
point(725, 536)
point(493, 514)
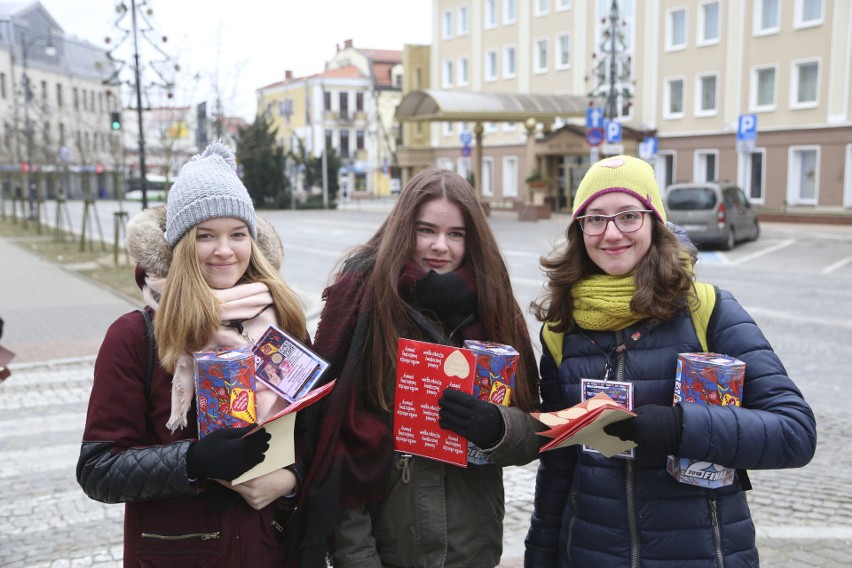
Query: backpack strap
point(149, 361)
point(701, 314)
point(553, 341)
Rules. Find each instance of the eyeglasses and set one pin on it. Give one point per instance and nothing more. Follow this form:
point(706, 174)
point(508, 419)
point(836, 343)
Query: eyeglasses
point(625, 221)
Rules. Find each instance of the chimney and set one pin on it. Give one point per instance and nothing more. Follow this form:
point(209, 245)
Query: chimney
point(288, 74)
point(347, 44)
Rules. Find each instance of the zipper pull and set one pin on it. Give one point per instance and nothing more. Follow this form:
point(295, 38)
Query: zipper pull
point(403, 466)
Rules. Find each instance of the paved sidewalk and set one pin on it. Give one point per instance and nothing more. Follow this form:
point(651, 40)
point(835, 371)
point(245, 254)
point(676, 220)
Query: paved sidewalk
point(55, 321)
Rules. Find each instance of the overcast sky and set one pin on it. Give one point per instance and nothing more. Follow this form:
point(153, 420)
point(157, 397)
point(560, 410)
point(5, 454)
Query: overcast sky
point(247, 44)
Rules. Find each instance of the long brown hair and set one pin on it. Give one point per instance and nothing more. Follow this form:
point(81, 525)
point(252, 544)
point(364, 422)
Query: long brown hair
point(663, 278)
point(385, 255)
point(188, 312)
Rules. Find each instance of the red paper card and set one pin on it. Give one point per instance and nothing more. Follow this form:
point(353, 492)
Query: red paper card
point(423, 371)
point(584, 423)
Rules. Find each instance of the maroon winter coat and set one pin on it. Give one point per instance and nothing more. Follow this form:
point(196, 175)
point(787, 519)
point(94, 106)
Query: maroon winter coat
point(128, 455)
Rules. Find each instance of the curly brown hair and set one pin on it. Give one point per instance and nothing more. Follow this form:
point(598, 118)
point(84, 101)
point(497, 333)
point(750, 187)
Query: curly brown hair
point(663, 278)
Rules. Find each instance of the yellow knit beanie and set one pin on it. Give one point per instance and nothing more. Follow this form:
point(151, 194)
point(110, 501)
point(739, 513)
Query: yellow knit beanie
point(624, 174)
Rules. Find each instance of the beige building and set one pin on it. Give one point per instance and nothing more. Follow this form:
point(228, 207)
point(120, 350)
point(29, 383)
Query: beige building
point(691, 74)
point(351, 105)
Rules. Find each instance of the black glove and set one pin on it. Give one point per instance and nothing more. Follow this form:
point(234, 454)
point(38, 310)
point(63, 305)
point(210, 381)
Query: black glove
point(225, 454)
point(477, 420)
point(656, 429)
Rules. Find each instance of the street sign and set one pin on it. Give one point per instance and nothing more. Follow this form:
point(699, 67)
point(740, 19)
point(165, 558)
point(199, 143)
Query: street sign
point(594, 136)
point(465, 151)
point(648, 148)
point(613, 132)
point(466, 137)
point(594, 118)
point(612, 149)
point(747, 127)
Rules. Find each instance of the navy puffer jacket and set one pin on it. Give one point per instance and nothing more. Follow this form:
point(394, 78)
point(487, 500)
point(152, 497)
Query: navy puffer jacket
point(594, 511)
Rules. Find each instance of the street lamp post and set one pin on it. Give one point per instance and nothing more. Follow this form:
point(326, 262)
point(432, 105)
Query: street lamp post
point(49, 50)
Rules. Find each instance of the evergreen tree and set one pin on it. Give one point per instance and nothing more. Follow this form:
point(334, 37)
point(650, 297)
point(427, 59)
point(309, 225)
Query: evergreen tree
point(262, 163)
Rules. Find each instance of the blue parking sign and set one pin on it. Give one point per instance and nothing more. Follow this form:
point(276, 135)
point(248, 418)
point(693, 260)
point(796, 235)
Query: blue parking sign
point(594, 117)
point(747, 127)
point(613, 132)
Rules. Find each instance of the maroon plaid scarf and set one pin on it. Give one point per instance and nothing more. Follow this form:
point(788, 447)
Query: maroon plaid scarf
point(350, 448)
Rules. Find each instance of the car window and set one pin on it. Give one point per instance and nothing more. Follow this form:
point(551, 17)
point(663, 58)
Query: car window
point(743, 199)
point(690, 198)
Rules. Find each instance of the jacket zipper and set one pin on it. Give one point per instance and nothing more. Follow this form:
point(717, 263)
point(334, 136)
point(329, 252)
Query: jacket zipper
point(187, 536)
point(404, 467)
point(717, 534)
point(629, 475)
point(573, 499)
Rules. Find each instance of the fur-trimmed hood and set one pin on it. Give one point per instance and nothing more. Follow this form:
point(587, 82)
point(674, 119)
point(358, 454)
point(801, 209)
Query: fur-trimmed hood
point(147, 244)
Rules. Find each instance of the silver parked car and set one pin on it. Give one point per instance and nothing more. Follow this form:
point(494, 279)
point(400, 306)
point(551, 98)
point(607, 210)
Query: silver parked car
point(712, 213)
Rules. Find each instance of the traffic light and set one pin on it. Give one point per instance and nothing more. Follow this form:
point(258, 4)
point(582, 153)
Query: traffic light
point(115, 120)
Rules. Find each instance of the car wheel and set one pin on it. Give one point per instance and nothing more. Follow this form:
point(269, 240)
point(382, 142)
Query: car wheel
point(730, 239)
point(756, 230)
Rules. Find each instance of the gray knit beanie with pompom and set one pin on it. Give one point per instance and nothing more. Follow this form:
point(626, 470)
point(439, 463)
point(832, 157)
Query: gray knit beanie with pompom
point(207, 188)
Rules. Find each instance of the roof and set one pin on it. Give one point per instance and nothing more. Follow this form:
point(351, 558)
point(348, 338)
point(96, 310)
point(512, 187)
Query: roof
point(382, 55)
point(348, 72)
point(433, 104)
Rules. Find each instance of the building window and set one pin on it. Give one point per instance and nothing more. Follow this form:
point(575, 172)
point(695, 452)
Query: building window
point(326, 101)
point(75, 95)
point(510, 176)
point(676, 29)
point(491, 65)
point(542, 7)
point(359, 139)
point(673, 98)
point(763, 89)
point(803, 175)
point(766, 17)
point(343, 97)
point(447, 76)
point(490, 14)
point(708, 23)
point(448, 128)
point(751, 166)
point(540, 55)
point(804, 90)
point(359, 102)
point(488, 176)
point(447, 25)
point(463, 72)
point(61, 134)
point(808, 13)
point(509, 63)
point(58, 95)
point(563, 5)
point(344, 144)
point(44, 93)
point(461, 22)
point(705, 165)
point(705, 96)
point(510, 12)
point(563, 51)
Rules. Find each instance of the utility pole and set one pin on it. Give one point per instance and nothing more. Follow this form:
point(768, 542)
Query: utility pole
point(138, 81)
point(612, 71)
point(163, 68)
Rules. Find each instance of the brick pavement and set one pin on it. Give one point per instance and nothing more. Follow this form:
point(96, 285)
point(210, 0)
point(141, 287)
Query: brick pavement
point(803, 517)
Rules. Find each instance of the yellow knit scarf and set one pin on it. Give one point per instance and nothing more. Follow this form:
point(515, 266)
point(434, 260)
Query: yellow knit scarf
point(602, 302)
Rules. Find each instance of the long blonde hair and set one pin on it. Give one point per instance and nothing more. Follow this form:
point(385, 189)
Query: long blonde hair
point(188, 312)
